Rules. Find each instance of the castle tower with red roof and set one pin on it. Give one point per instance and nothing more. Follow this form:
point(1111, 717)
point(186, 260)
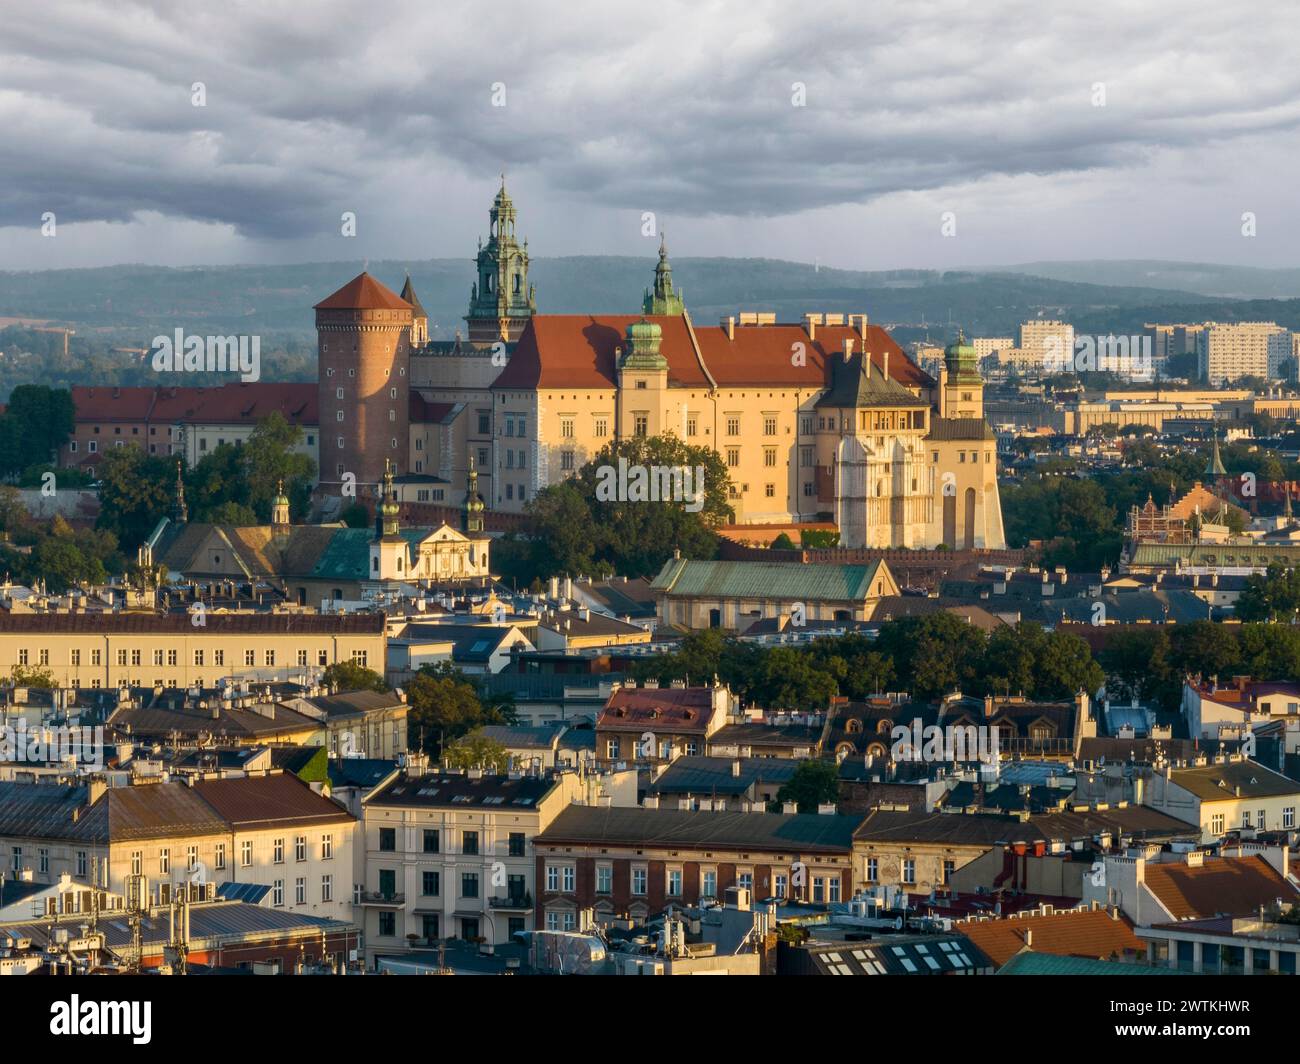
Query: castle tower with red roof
point(364, 338)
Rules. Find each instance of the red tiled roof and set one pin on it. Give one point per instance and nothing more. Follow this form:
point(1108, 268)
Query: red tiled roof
point(238, 403)
point(279, 799)
point(578, 351)
point(681, 708)
point(233, 403)
point(1226, 886)
point(363, 292)
point(1090, 933)
point(112, 404)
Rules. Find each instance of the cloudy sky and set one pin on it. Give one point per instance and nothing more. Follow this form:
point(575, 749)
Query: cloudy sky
point(986, 110)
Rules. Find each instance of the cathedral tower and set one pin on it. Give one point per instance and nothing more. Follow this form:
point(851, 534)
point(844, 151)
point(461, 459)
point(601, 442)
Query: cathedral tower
point(364, 336)
point(502, 300)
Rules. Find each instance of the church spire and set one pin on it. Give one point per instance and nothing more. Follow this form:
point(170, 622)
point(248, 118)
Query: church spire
point(663, 299)
point(502, 300)
point(387, 522)
point(180, 512)
point(472, 515)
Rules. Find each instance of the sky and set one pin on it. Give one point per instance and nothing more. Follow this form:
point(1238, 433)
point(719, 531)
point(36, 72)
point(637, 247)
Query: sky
point(863, 135)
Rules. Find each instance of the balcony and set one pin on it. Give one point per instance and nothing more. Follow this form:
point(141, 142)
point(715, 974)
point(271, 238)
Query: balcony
point(383, 899)
point(512, 901)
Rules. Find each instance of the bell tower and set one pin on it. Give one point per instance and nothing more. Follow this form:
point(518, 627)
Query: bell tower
point(502, 300)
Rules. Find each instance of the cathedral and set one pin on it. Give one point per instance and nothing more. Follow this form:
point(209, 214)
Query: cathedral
point(821, 418)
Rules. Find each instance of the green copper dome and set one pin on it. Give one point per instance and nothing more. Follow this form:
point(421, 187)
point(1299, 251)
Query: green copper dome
point(961, 360)
point(643, 339)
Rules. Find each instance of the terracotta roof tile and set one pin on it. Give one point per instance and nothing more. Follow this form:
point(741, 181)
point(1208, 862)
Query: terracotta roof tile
point(1232, 886)
point(1090, 933)
point(363, 292)
point(578, 351)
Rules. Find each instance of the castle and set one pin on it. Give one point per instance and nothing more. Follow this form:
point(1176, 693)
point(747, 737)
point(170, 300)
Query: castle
point(827, 416)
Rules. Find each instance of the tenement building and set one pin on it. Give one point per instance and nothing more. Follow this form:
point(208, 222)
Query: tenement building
point(823, 418)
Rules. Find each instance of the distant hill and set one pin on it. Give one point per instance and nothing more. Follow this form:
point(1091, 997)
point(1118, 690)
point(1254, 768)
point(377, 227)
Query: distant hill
point(137, 302)
point(132, 304)
point(1205, 278)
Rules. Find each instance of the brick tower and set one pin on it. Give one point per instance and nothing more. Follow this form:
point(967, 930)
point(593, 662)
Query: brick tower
point(364, 338)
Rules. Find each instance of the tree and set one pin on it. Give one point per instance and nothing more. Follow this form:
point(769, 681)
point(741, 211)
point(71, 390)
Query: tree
point(32, 676)
point(43, 418)
point(135, 492)
point(814, 783)
point(477, 751)
point(355, 516)
point(270, 459)
point(783, 542)
point(351, 676)
point(445, 706)
point(933, 654)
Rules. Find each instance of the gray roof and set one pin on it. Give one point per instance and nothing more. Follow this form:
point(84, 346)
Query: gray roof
point(713, 775)
point(208, 921)
point(977, 829)
point(463, 791)
point(517, 736)
point(672, 828)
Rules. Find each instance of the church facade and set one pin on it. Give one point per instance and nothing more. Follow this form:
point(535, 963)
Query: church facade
point(827, 416)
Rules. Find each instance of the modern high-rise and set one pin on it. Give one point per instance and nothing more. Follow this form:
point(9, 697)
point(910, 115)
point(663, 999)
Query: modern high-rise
point(1047, 344)
point(1228, 351)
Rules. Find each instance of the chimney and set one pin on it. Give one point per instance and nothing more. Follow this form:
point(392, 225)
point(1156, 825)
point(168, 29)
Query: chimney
point(884, 363)
point(810, 323)
point(1029, 936)
point(735, 769)
point(848, 348)
point(730, 323)
point(862, 327)
point(988, 706)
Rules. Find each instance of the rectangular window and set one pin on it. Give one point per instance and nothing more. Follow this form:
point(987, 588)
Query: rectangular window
point(277, 851)
point(639, 881)
point(604, 879)
point(601, 428)
point(641, 425)
point(388, 840)
point(469, 884)
point(733, 457)
point(469, 842)
point(326, 847)
point(733, 425)
point(300, 891)
point(432, 838)
point(674, 882)
point(430, 884)
point(873, 870)
point(516, 844)
point(769, 424)
point(327, 887)
point(277, 893)
point(566, 428)
point(1288, 816)
point(300, 848)
point(219, 855)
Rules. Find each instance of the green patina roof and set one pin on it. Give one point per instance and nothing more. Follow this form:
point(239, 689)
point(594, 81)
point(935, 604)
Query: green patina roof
point(1221, 554)
point(1028, 963)
point(768, 580)
point(348, 555)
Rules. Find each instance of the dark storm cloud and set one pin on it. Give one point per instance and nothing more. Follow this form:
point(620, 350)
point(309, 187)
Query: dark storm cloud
point(685, 108)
